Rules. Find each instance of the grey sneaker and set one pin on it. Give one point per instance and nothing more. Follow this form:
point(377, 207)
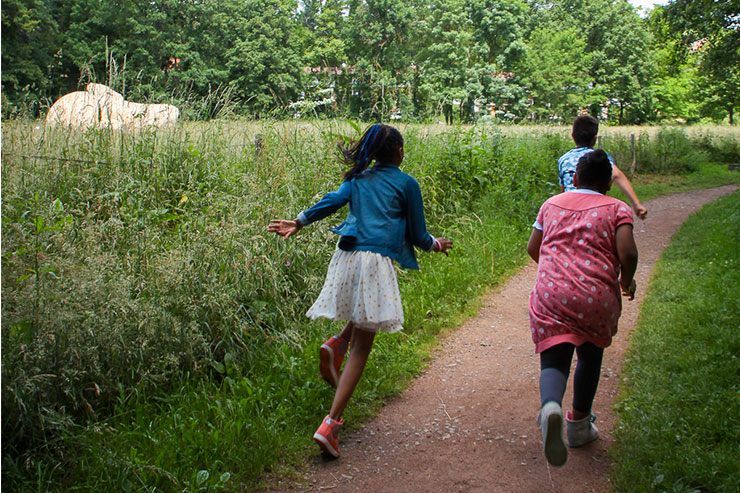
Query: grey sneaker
point(582, 431)
point(551, 424)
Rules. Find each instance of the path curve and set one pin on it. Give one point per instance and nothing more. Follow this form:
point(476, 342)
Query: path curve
point(468, 422)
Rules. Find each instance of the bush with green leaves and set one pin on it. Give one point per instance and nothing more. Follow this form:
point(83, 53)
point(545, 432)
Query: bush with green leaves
point(722, 148)
point(670, 151)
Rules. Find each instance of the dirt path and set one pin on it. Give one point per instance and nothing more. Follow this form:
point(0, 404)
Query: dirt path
point(468, 422)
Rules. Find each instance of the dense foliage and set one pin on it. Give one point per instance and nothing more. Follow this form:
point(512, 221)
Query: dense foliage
point(512, 60)
point(711, 29)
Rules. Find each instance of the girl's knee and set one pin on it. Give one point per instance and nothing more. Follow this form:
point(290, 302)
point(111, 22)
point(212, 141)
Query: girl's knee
point(362, 341)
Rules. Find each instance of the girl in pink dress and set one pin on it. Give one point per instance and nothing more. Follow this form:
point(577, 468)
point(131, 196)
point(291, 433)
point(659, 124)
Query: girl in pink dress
point(582, 242)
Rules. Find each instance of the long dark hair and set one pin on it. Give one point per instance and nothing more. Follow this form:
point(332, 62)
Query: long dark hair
point(379, 142)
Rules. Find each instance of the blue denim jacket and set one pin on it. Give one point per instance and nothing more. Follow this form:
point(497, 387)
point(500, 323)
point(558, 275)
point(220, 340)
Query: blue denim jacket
point(386, 214)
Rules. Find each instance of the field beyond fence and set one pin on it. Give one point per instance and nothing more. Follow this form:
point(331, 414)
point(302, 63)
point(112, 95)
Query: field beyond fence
point(153, 334)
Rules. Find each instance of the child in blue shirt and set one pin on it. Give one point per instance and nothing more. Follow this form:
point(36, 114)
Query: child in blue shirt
point(585, 129)
point(385, 223)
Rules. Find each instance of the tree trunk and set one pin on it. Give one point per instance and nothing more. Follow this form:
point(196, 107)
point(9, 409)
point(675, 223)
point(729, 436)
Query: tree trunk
point(729, 112)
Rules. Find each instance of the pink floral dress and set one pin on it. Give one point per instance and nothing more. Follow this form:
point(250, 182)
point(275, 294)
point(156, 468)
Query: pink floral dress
point(576, 297)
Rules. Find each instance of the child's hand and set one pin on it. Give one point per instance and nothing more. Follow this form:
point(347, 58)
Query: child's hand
point(442, 245)
point(640, 210)
point(284, 228)
point(630, 291)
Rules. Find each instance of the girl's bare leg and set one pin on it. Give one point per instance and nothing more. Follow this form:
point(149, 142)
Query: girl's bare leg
point(346, 332)
point(362, 344)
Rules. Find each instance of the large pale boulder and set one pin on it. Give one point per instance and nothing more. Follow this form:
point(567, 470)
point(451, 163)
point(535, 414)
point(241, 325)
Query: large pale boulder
point(160, 114)
point(100, 106)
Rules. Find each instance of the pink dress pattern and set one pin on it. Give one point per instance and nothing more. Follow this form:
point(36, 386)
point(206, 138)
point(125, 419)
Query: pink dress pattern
point(576, 297)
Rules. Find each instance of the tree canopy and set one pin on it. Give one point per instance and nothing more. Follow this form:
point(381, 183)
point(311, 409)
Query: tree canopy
point(459, 60)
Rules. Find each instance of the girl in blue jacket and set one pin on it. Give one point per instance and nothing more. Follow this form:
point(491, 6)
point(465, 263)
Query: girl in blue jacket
point(385, 223)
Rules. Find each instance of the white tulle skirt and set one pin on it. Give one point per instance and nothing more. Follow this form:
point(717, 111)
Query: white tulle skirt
point(361, 287)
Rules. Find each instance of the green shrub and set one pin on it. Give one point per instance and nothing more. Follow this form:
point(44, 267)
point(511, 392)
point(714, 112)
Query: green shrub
point(722, 149)
point(669, 152)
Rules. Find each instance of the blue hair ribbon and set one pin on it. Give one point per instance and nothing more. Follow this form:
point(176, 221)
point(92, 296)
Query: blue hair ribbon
point(370, 138)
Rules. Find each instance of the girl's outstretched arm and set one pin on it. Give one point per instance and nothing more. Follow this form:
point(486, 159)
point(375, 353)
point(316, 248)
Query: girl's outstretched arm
point(329, 204)
point(534, 243)
point(621, 180)
point(284, 228)
point(627, 254)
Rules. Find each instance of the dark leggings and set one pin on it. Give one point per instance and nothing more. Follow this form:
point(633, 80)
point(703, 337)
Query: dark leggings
point(555, 368)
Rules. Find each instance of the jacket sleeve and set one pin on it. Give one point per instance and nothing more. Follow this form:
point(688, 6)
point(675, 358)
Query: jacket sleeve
point(416, 225)
point(328, 205)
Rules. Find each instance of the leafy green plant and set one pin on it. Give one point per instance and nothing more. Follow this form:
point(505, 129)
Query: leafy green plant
point(723, 148)
point(669, 152)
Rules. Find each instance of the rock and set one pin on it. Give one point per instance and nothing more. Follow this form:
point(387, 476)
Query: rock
point(99, 106)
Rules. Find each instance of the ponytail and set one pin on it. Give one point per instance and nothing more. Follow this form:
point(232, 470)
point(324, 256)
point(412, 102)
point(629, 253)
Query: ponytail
point(379, 142)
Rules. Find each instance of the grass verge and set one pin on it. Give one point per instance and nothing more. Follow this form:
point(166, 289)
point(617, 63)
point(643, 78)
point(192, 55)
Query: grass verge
point(679, 407)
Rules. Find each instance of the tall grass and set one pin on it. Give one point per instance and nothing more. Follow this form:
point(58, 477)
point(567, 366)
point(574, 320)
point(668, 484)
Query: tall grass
point(153, 333)
point(679, 406)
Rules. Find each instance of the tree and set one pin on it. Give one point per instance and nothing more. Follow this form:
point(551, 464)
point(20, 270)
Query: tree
point(115, 43)
point(369, 57)
point(497, 27)
point(468, 53)
point(711, 28)
point(621, 57)
point(555, 73)
point(444, 44)
point(324, 50)
point(377, 35)
point(499, 46)
point(618, 53)
point(676, 82)
point(263, 64)
point(30, 38)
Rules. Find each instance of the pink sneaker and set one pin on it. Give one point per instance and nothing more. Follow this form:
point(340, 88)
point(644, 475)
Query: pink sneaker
point(331, 356)
point(327, 436)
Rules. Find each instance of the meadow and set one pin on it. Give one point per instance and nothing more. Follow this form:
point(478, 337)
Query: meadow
point(153, 334)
